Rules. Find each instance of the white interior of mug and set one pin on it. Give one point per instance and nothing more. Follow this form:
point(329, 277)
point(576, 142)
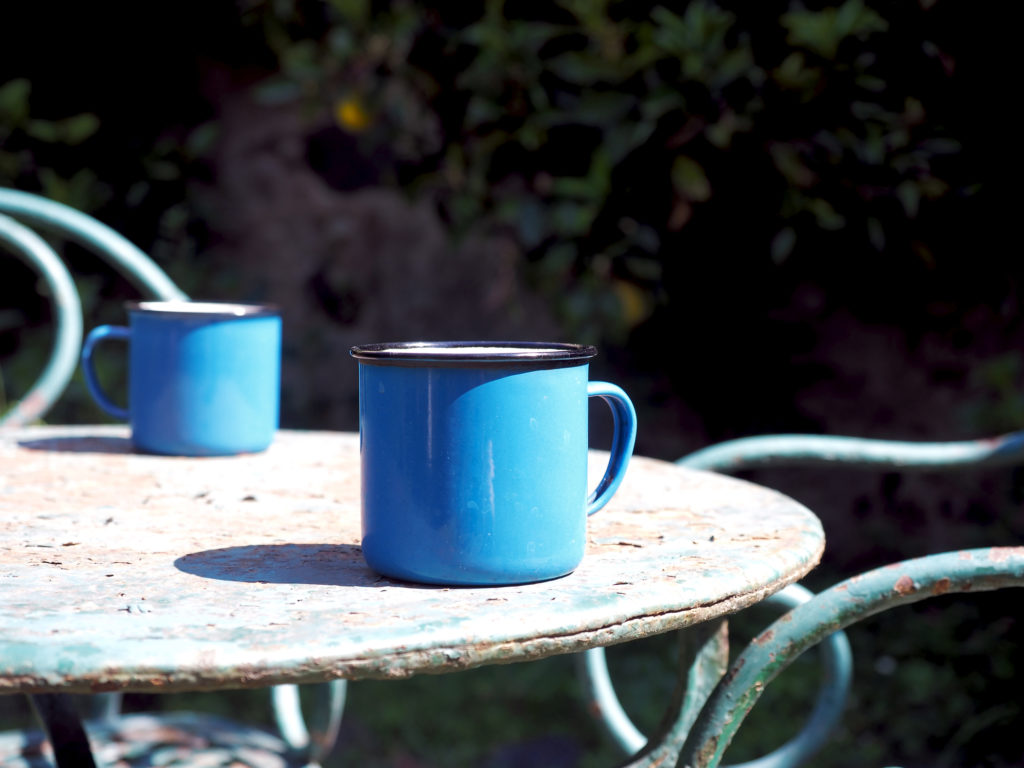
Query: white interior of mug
point(201, 308)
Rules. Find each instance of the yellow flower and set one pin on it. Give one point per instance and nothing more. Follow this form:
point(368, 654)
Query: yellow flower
point(350, 114)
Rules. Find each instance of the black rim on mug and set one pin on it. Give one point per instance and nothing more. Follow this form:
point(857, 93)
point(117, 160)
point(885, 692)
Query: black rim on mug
point(473, 353)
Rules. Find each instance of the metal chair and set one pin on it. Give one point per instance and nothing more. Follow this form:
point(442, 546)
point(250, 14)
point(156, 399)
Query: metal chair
point(170, 739)
point(701, 728)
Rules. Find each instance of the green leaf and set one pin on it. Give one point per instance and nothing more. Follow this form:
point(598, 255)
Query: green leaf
point(529, 37)
point(530, 223)
point(14, 101)
point(794, 74)
point(826, 216)
point(790, 164)
point(300, 59)
point(276, 90)
point(823, 31)
point(660, 102)
point(355, 12)
point(735, 64)
point(607, 108)
point(75, 130)
point(558, 259)
point(572, 219)
point(867, 110)
point(910, 197)
point(43, 130)
point(162, 170)
point(871, 83)
point(647, 268)
point(342, 43)
point(85, 191)
point(689, 179)
point(624, 137)
point(585, 69)
point(203, 138)
point(481, 111)
point(721, 132)
point(577, 187)
point(531, 136)
point(783, 244)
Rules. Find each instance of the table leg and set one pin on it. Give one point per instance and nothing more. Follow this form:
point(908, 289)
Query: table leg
point(64, 727)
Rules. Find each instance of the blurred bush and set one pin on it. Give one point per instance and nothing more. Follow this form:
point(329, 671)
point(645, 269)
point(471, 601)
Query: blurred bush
point(606, 134)
point(667, 171)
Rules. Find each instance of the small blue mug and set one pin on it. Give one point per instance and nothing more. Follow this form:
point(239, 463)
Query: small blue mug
point(203, 377)
point(474, 459)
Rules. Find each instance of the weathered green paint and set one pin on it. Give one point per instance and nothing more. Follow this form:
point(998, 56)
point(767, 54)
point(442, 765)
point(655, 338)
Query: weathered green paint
point(67, 315)
point(824, 450)
point(704, 657)
point(93, 234)
point(834, 609)
point(859, 453)
point(74, 225)
point(704, 671)
point(134, 572)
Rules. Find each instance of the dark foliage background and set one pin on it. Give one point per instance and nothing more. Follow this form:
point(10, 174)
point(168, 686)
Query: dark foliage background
point(779, 218)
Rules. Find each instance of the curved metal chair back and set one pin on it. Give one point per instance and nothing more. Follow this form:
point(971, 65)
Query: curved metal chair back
point(98, 237)
point(296, 743)
point(704, 726)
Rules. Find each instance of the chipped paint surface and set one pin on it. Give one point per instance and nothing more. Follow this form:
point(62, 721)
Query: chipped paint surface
point(837, 608)
point(120, 570)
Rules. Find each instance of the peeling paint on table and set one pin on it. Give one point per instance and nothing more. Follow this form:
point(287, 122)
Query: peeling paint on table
point(127, 571)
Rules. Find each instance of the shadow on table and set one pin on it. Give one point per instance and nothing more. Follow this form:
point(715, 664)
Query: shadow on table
point(80, 444)
point(319, 564)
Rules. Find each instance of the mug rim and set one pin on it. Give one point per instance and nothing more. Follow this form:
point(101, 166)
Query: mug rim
point(189, 308)
point(461, 352)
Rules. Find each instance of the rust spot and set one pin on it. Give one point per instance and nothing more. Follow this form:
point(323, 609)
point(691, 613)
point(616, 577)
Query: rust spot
point(941, 587)
point(904, 585)
point(33, 403)
point(764, 637)
point(707, 753)
point(1000, 554)
point(735, 670)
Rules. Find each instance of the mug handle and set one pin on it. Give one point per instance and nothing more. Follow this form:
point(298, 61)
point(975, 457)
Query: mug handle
point(96, 335)
point(623, 438)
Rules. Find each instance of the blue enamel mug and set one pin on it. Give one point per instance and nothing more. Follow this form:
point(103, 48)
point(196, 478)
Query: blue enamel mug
point(203, 377)
point(474, 459)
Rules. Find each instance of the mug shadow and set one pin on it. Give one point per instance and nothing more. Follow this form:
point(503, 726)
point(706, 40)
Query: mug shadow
point(335, 565)
point(80, 444)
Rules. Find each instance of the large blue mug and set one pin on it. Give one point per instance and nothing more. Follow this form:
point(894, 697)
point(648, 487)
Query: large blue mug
point(474, 459)
point(203, 377)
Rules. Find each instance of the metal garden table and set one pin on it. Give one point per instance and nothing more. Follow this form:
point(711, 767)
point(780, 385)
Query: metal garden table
point(123, 571)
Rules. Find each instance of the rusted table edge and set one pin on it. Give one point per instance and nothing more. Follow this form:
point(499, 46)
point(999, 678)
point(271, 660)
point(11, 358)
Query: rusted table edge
point(439, 656)
point(426, 660)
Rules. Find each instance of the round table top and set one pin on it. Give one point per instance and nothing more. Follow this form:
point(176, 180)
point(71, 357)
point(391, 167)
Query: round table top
point(127, 571)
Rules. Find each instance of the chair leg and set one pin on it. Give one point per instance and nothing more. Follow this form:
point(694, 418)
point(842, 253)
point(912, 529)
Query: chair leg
point(64, 727)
